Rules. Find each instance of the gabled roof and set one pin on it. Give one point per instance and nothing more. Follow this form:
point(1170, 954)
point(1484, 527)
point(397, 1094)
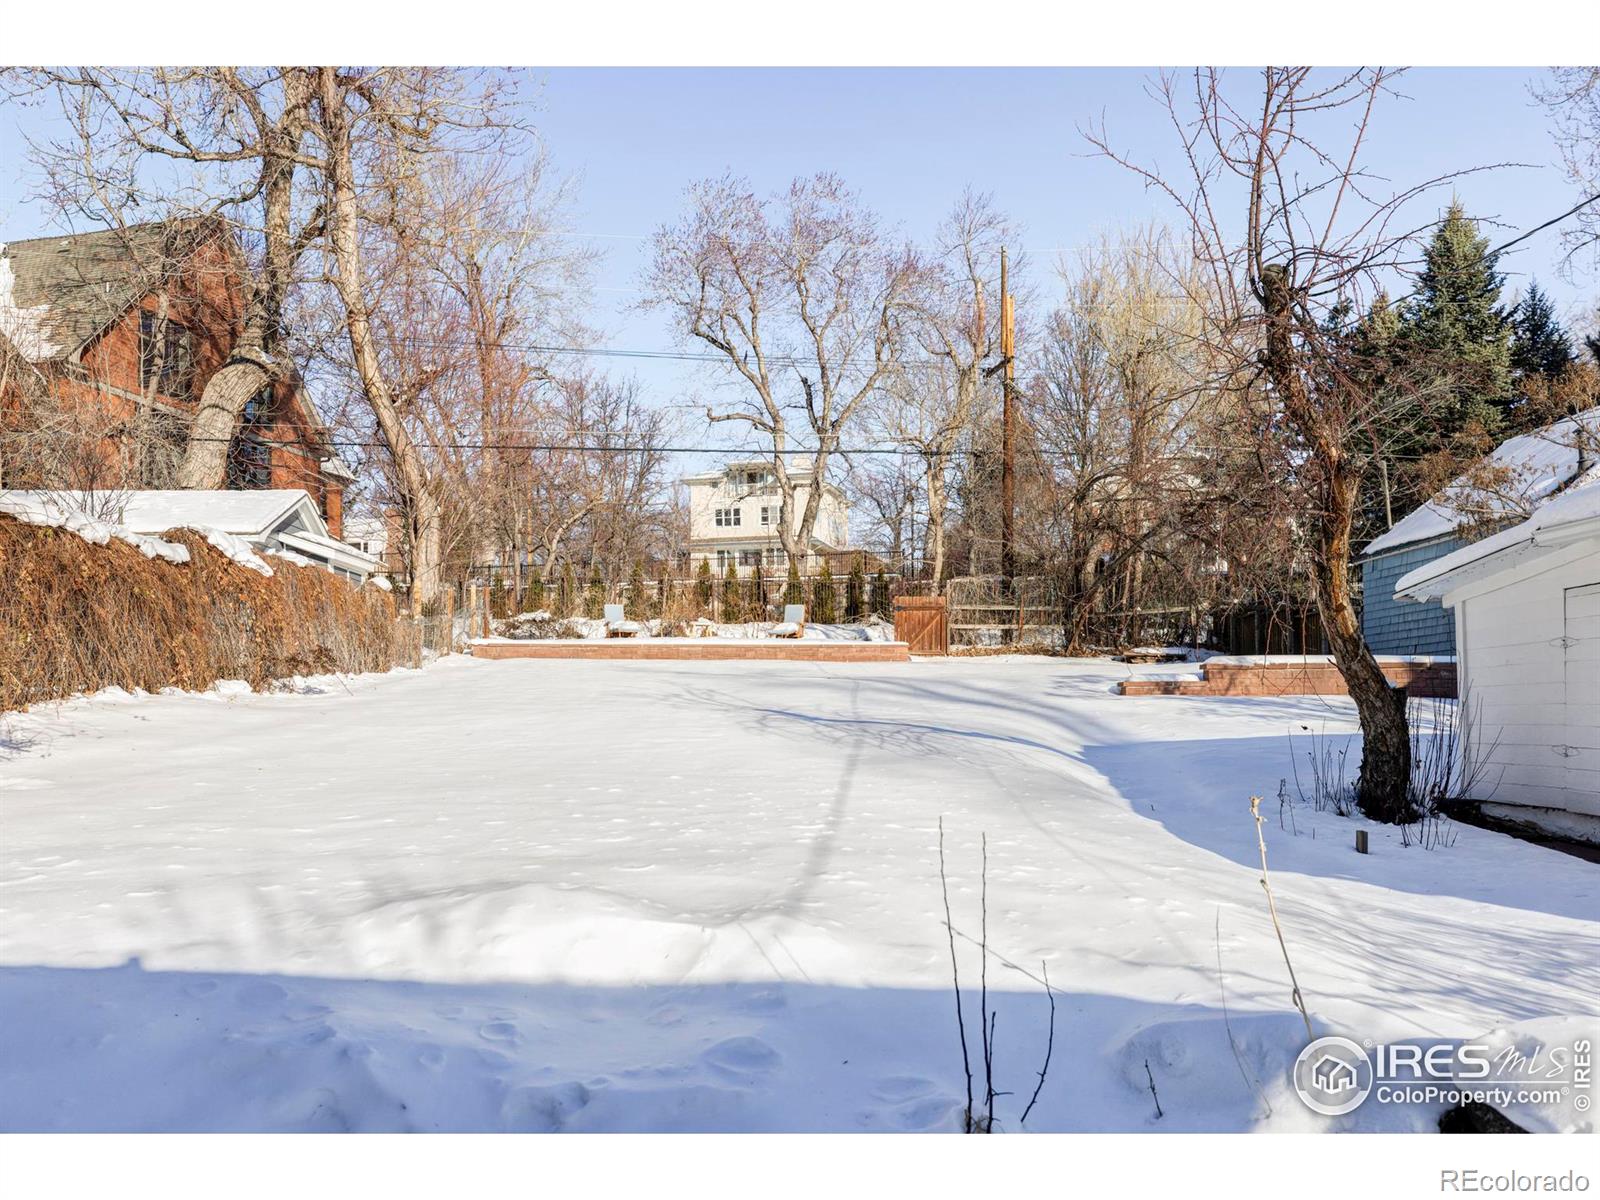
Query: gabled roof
point(56, 293)
point(1572, 516)
point(1533, 466)
point(244, 514)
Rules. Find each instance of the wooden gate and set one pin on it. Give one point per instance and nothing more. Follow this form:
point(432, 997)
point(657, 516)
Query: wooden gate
point(923, 623)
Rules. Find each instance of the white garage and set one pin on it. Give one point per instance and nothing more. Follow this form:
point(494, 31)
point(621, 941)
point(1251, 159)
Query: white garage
point(1526, 603)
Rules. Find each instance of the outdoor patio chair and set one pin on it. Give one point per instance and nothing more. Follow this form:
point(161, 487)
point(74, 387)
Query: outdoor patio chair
point(793, 624)
point(617, 627)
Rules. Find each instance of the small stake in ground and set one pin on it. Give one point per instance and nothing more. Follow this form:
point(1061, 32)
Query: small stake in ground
point(1361, 841)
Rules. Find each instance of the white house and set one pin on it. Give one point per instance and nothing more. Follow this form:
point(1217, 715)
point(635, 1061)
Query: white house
point(1526, 604)
point(734, 513)
point(370, 535)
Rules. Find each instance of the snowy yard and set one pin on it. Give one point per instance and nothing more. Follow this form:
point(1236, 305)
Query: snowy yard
point(705, 896)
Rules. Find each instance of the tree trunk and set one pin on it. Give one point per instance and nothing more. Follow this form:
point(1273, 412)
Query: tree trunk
point(205, 458)
point(252, 361)
point(411, 469)
point(1384, 781)
point(1383, 785)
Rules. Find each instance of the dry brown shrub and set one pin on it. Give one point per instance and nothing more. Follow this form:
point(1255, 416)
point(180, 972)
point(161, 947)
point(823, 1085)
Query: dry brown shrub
point(76, 617)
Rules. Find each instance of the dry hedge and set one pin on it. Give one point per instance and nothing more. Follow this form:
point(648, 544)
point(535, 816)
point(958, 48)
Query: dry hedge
point(76, 617)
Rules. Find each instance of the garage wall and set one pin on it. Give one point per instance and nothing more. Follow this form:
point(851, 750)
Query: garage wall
point(1393, 626)
point(1527, 680)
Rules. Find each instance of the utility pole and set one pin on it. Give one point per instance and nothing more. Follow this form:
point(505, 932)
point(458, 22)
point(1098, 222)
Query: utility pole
point(1008, 427)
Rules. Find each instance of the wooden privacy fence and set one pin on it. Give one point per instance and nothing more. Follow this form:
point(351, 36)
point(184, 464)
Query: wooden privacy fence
point(923, 623)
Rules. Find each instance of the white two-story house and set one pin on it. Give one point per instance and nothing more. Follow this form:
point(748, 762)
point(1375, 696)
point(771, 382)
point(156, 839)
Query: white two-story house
point(734, 513)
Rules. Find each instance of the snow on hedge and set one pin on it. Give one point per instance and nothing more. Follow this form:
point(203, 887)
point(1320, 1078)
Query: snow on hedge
point(55, 512)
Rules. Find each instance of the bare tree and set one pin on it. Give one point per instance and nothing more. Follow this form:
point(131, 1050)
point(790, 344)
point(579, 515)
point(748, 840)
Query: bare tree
point(1572, 98)
point(378, 129)
point(803, 299)
point(1115, 404)
point(931, 405)
point(1293, 236)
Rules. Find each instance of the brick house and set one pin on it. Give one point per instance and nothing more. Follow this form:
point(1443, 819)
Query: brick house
point(114, 335)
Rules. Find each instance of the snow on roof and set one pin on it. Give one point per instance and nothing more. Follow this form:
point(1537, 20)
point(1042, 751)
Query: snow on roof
point(23, 325)
point(1532, 466)
point(1574, 513)
point(238, 513)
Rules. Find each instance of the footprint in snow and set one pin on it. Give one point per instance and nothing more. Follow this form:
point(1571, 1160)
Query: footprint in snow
point(499, 1031)
point(746, 1057)
point(259, 995)
point(936, 1112)
point(897, 1089)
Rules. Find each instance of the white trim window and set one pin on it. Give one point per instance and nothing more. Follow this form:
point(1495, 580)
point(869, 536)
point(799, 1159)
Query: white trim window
point(727, 518)
point(766, 514)
point(775, 556)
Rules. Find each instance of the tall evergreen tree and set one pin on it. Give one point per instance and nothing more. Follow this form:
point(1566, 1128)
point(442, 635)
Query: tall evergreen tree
point(703, 586)
point(664, 592)
point(594, 599)
point(824, 600)
point(1456, 327)
point(794, 591)
point(1539, 346)
point(533, 595)
point(758, 594)
point(638, 598)
point(567, 597)
point(732, 602)
point(880, 594)
point(855, 592)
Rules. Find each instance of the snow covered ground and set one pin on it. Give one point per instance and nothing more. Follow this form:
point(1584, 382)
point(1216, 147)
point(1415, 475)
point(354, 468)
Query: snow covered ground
point(551, 895)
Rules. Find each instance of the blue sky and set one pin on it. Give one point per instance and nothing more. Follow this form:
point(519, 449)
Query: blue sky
point(911, 139)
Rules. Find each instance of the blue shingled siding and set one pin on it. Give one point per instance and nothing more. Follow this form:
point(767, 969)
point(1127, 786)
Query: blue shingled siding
point(1403, 626)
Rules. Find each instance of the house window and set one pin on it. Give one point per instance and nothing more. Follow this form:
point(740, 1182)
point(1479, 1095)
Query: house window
point(727, 517)
point(166, 356)
point(722, 560)
point(775, 556)
point(250, 456)
point(749, 558)
point(766, 514)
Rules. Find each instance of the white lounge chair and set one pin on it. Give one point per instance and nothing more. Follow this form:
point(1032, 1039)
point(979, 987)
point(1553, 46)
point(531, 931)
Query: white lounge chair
point(793, 624)
point(617, 627)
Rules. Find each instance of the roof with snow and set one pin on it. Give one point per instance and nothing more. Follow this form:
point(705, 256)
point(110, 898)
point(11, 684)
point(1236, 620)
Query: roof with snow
point(240, 513)
point(58, 292)
point(1572, 516)
point(1526, 471)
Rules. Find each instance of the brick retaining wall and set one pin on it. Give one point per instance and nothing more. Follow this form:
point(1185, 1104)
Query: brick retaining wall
point(655, 649)
point(1293, 679)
